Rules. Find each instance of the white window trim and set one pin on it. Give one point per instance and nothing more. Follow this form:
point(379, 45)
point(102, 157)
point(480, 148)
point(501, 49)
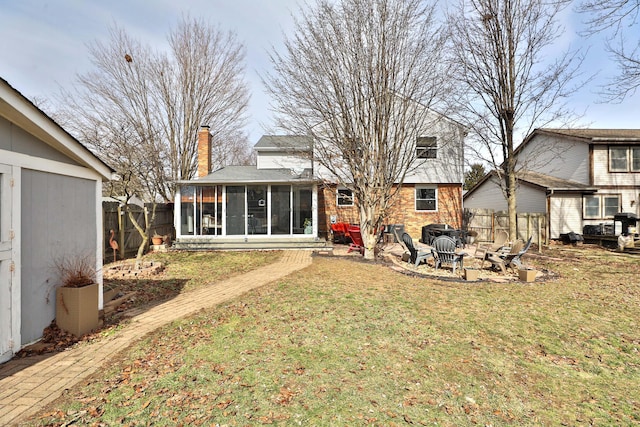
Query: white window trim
point(415, 197)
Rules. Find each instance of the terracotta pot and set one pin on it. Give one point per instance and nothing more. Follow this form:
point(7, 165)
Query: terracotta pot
point(157, 240)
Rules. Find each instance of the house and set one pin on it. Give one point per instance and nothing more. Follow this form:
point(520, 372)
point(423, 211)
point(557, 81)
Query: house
point(283, 201)
point(577, 177)
point(50, 207)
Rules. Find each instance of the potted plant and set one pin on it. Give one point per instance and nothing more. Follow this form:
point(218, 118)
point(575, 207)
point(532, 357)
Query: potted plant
point(308, 226)
point(157, 239)
point(77, 295)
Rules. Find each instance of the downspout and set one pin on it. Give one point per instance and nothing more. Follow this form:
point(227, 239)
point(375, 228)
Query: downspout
point(548, 215)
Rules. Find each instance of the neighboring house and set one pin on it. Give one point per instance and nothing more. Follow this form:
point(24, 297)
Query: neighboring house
point(50, 207)
point(576, 177)
point(281, 201)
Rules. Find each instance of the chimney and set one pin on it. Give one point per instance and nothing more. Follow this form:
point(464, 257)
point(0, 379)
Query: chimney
point(204, 151)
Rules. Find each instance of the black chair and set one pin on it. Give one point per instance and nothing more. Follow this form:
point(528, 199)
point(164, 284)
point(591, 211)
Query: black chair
point(416, 256)
point(444, 252)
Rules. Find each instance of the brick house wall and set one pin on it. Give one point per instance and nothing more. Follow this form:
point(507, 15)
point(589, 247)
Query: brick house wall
point(402, 212)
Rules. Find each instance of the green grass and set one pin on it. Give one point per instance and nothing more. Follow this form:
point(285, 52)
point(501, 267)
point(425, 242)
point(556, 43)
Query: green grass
point(352, 343)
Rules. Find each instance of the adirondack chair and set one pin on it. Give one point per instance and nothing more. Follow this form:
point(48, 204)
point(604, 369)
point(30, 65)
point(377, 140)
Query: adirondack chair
point(483, 252)
point(416, 255)
point(515, 261)
point(444, 252)
point(512, 259)
point(357, 244)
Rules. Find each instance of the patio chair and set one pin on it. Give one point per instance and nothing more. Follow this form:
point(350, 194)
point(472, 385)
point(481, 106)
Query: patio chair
point(444, 252)
point(357, 244)
point(499, 246)
point(416, 256)
point(511, 259)
point(515, 261)
point(340, 232)
point(499, 241)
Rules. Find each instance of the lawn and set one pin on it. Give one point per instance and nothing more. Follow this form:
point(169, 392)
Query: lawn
point(344, 342)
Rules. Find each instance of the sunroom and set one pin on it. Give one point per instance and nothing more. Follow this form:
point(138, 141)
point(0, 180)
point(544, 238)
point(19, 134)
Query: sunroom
point(247, 206)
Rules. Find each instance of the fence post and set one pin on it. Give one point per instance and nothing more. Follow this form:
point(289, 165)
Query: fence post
point(121, 233)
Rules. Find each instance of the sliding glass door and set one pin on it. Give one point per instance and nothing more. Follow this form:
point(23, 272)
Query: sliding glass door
point(246, 210)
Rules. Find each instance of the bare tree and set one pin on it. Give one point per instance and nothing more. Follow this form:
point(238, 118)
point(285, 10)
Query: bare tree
point(357, 76)
point(619, 19)
point(140, 109)
point(507, 84)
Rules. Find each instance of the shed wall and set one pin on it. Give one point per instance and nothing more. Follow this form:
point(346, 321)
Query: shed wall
point(13, 138)
point(58, 220)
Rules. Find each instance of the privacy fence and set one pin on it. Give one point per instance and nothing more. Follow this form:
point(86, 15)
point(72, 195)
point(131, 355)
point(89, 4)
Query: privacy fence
point(115, 217)
point(486, 222)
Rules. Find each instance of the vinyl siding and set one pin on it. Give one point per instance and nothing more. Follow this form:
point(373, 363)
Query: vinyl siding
point(601, 174)
point(566, 215)
point(558, 157)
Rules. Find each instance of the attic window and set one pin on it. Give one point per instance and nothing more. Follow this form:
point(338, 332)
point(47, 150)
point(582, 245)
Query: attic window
point(426, 147)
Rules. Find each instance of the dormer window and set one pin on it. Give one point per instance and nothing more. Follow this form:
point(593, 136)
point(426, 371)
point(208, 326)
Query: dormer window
point(426, 147)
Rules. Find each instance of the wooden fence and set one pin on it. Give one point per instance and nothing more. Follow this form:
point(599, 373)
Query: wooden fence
point(115, 218)
point(486, 222)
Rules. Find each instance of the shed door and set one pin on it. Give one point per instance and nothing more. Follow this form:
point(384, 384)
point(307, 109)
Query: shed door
point(6, 339)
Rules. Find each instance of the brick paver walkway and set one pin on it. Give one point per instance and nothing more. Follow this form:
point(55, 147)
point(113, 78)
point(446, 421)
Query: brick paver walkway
point(27, 385)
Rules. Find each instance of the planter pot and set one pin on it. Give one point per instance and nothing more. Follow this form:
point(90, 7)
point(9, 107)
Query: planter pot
point(471, 274)
point(527, 275)
point(77, 309)
point(157, 240)
point(308, 229)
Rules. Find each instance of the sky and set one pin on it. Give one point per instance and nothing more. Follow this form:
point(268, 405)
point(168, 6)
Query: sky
point(43, 46)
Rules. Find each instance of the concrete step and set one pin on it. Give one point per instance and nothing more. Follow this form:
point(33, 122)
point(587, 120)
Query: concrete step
point(250, 244)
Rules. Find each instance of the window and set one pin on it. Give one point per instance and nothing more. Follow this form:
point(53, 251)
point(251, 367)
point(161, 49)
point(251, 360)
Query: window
point(344, 197)
point(426, 199)
point(426, 147)
point(601, 206)
point(611, 205)
point(624, 159)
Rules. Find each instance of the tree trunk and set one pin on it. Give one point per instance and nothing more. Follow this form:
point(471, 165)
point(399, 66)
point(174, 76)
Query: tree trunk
point(511, 207)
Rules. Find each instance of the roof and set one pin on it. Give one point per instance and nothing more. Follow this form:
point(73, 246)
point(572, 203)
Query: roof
point(251, 174)
point(16, 108)
point(593, 135)
point(546, 182)
point(283, 142)
point(551, 182)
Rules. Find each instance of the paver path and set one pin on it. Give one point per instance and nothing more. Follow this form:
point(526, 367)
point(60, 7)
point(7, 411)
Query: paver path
point(27, 385)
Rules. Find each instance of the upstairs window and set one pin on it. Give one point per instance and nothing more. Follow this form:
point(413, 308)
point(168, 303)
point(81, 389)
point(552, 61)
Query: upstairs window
point(344, 197)
point(624, 159)
point(426, 199)
point(426, 147)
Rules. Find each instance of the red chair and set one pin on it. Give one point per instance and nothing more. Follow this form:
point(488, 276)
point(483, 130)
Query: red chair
point(356, 240)
point(340, 232)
